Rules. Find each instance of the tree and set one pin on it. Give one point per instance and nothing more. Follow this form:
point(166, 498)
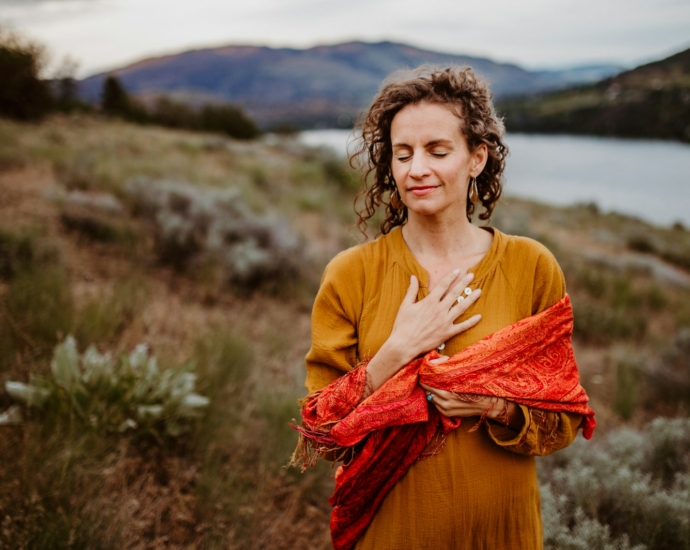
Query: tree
point(229, 120)
point(115, 99)
point(23, 94)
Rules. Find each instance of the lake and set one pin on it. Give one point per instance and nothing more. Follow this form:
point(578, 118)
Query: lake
point(644, 178)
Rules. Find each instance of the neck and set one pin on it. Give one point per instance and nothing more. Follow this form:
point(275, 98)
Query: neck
point(441, 239)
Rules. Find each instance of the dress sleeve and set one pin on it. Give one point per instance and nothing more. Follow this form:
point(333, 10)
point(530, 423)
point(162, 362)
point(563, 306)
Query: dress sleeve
point(335, 316)
point(543, 432)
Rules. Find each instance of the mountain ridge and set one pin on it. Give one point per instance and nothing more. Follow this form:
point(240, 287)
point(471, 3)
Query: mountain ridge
point(325, 85)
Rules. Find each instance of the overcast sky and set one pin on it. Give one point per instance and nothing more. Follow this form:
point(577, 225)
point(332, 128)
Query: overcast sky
point(104, 34)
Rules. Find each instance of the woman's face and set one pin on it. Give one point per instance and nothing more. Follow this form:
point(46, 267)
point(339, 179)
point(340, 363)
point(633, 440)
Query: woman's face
point(432, 164)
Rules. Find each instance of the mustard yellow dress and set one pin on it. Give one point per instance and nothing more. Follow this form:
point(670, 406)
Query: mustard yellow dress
point(480, 491)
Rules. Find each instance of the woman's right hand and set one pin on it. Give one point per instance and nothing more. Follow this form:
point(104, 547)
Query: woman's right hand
point(421, 326)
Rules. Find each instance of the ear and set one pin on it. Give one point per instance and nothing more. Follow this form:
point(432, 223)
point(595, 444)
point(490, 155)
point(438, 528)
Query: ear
point(479, 157)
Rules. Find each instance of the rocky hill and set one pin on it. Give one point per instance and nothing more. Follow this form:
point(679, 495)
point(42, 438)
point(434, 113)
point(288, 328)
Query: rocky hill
point(320, 86)
point(651, 101)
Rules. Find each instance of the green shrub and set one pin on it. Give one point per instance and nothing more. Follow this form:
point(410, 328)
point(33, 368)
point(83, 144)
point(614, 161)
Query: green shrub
point(641, 243)
point(628, 377)
point(105, 317)
point(38, 310)
point(193, 225)
point(97, 217)
point(629, 488)
point(23, 94)
point(666, 379)
point(339, 172)
point(128, 394)
point(22, 251)
point(599, 324)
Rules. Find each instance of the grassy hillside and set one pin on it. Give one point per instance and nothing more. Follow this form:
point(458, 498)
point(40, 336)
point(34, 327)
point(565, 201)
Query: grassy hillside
point(209, 251)
point(651, 101)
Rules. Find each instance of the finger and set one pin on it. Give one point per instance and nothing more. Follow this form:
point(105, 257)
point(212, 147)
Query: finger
point(440, 360)
point(459, 290)
point(444, 284)
point(461, 306)
point(443, 395)
point(411, 294)
point(449, 289)
point(466, 324)
point(463, 302)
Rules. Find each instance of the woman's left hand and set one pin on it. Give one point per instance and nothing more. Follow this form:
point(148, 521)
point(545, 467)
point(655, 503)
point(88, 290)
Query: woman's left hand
point(496, 408)
point(449, 404)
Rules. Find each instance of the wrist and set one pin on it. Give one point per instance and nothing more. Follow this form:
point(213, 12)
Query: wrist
point(505, 412)
point(387, 361)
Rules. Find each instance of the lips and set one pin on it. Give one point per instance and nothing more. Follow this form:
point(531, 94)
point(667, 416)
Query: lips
point(421, 190)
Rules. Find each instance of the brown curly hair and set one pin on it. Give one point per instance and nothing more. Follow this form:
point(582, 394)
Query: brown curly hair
point(470, 100)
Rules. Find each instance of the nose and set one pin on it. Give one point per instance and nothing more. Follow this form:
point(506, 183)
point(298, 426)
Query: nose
point(418, 166)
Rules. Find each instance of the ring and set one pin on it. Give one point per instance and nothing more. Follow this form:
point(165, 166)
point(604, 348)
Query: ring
point(468, 291)
point(461, 298)
point(429, 396)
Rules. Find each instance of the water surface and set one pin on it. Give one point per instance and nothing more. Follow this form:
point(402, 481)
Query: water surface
point(643, 178)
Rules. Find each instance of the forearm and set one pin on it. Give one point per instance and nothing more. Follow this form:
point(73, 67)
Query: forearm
point(390, 358)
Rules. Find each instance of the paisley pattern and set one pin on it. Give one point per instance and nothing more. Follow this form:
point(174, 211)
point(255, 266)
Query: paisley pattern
point(530, 362)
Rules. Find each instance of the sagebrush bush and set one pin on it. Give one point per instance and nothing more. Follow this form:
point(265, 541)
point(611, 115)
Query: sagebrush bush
point(127, 394)
point(629, 490)
point(22, 251)
point(667, 379)
point(194, 224)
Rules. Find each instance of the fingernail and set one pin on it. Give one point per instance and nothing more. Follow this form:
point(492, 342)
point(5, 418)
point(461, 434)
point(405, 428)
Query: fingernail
point(456, 271)
point(471, 275)
point(478, 291)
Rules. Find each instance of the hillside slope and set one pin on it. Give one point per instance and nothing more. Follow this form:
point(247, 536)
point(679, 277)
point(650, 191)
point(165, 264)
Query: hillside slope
point(651, 101)
point(320, 86)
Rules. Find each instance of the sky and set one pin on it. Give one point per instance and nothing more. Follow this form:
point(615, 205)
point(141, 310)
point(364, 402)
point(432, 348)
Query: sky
point(105, 34)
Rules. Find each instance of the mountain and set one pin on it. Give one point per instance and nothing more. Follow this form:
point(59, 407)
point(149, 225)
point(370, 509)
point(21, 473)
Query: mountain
point(650, 101)
point(320, 86)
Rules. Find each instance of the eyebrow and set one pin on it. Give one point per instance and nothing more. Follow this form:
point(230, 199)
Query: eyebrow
point(431, 143)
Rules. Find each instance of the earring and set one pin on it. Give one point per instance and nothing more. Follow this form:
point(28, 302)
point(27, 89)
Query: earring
point(474, 192)
point(395, 200)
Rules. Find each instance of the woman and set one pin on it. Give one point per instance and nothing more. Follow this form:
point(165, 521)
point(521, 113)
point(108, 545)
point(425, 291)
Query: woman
point(433, 281)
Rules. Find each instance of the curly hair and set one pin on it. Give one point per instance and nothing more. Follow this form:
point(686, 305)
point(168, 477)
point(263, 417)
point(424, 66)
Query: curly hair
point(467, 96)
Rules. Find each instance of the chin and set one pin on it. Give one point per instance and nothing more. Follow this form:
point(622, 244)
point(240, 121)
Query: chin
point(432, 208)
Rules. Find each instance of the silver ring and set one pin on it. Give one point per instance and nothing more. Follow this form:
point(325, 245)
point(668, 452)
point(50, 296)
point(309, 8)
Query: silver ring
point(461, 298)
point(468, 291)
point(430, 397)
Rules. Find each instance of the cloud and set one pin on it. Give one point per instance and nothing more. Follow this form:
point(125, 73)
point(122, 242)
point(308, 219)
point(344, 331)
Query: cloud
point(533, 33)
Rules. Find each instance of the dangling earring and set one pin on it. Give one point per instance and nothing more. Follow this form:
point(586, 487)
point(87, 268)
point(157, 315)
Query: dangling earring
point(395, 198)
point(474, 192)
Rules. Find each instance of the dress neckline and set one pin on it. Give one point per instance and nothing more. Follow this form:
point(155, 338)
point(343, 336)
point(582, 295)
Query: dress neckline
point(481, 269)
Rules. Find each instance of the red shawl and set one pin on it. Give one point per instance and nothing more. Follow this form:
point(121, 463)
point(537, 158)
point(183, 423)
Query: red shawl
point(530, 362)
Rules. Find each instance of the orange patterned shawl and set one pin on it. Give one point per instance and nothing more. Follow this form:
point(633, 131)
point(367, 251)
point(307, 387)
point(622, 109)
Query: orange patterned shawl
point(530, 362)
